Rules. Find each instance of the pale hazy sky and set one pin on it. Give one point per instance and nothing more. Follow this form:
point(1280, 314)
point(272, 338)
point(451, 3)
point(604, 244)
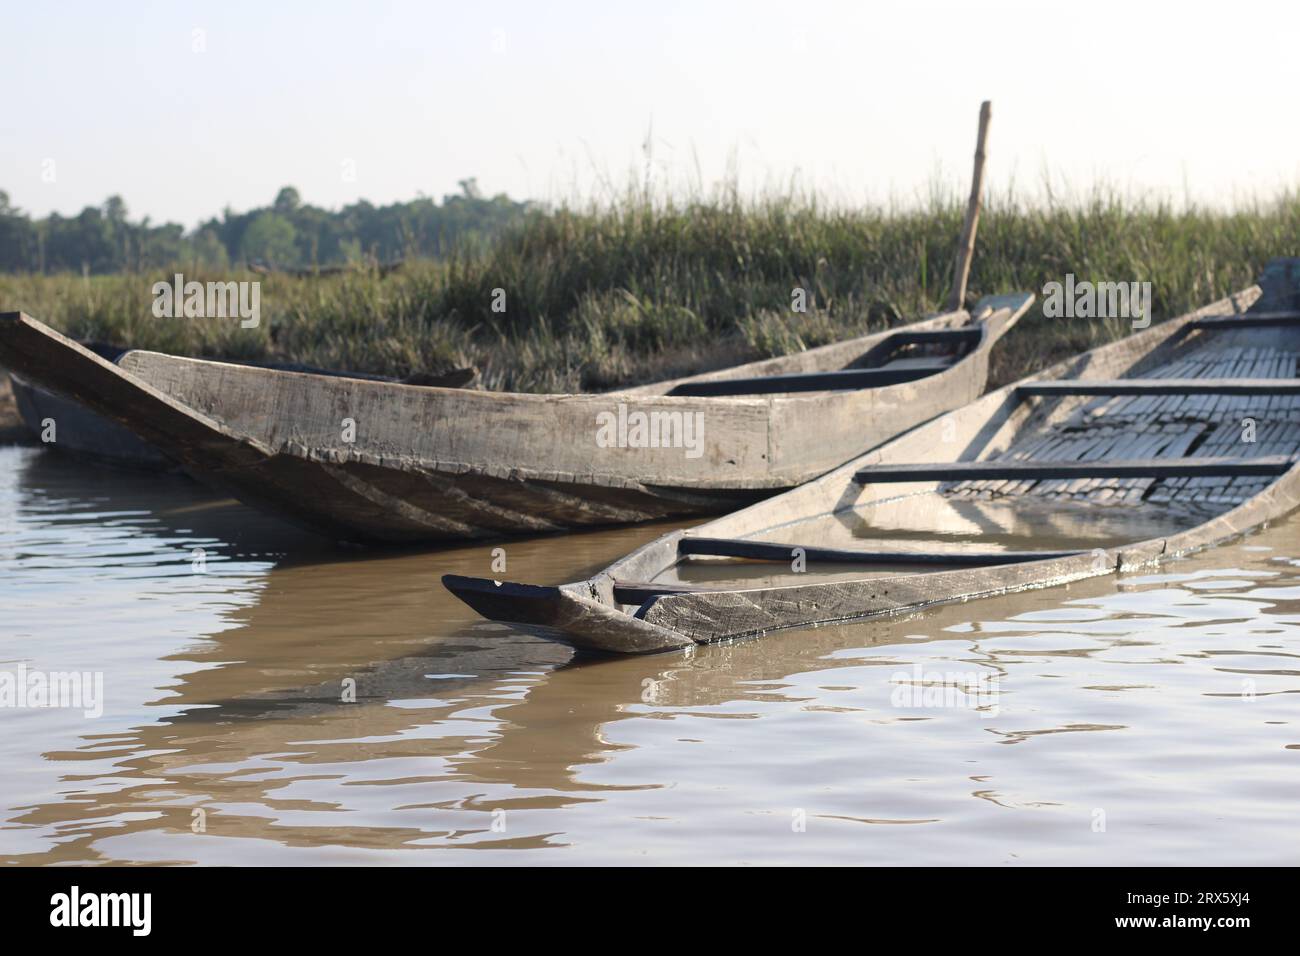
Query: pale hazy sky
point(860, 101)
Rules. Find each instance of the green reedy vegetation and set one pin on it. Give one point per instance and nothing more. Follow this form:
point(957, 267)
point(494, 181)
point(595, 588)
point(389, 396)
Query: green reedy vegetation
point(643, 288)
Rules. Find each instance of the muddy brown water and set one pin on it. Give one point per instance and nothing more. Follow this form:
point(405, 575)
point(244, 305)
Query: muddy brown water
point(1145, 719)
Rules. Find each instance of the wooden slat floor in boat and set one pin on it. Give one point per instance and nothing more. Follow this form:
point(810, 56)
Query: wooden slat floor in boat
point(1163, 426)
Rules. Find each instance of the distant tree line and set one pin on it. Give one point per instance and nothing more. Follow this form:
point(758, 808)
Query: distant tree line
point(287, 234)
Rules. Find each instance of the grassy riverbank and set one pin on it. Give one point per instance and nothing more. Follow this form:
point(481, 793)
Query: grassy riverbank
point(643, 289)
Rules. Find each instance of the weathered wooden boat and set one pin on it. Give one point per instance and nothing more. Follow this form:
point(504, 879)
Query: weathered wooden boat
point(1161, 443)
point(67, 425)
point(383, 461)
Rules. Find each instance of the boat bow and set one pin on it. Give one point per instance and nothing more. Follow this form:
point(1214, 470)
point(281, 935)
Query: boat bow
point(564, 614)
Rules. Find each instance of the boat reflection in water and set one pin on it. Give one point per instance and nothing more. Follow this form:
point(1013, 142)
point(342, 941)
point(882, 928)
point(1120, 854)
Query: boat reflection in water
point(229, 737)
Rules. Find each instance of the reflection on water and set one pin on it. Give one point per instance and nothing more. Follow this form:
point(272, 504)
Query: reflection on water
point(1148, 721)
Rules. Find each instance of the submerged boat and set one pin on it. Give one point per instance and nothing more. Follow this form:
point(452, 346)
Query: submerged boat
point(382, 461)
point(1167, 441)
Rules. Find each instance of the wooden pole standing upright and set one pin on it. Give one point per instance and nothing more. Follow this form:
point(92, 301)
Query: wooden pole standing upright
point(966, 246)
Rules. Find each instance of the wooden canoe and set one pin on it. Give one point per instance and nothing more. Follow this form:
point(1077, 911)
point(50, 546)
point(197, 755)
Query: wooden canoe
point(1161, 443)
point(381, 461)
point(87, 434)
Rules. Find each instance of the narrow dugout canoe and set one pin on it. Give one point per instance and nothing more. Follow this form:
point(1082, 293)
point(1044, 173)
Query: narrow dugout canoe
point(85, 434)
point(389, 462)
point(1161, 443)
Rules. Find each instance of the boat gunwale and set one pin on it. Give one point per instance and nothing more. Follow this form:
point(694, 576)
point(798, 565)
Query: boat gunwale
point(650, 393)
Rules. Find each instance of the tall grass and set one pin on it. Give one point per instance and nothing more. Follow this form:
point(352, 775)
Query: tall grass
point(645, 288)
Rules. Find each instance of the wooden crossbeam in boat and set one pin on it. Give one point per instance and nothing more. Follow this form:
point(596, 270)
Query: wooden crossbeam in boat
point(811, 381)
point(772, 551)
point(1246, 320)
point(638, 592)
point(1164, 386)
point(1030, 470)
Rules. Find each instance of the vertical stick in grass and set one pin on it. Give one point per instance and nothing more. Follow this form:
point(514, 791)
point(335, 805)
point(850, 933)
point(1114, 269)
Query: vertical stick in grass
point(966, 246)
